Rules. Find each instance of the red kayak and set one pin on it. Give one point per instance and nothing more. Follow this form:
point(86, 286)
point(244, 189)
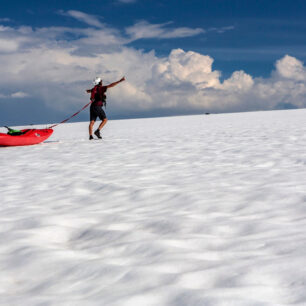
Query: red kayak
point(25, 138)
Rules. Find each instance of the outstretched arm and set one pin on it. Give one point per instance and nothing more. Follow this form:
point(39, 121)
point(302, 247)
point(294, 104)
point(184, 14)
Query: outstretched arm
point(115, 83)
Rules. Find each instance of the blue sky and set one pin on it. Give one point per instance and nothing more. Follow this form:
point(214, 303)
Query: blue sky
point(179, 57)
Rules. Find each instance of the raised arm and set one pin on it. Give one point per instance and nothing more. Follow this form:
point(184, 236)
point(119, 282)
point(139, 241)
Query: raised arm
point(115, 83)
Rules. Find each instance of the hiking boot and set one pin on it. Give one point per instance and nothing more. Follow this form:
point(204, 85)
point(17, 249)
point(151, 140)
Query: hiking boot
point(97, 133)
point(90, 137)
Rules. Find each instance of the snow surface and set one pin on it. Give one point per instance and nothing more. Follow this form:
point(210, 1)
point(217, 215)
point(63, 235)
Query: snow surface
point(195, 210)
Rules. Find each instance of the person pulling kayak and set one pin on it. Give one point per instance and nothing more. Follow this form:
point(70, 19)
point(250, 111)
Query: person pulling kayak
point(98, 98)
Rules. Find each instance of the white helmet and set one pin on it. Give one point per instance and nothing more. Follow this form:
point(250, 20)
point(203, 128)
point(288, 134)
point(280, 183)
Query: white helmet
point(97, 80)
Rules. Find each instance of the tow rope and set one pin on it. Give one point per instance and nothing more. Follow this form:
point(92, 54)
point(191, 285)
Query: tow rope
point(52, 126)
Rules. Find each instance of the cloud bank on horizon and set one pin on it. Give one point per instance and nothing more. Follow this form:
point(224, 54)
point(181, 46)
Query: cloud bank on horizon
point(54, 66)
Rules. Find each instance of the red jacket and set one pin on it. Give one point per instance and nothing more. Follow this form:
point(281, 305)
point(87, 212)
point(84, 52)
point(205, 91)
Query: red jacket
point(98, 95)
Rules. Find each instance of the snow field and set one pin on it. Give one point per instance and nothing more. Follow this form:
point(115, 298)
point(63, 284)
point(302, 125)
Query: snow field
point(196, 210)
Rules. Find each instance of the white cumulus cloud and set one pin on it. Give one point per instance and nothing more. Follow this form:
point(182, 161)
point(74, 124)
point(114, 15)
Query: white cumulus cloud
point(187, 67)
point(53, 70)
point(8, 45)
point(291, 68)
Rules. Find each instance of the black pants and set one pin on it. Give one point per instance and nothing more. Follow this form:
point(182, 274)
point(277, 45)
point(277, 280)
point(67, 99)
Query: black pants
point(96, 111)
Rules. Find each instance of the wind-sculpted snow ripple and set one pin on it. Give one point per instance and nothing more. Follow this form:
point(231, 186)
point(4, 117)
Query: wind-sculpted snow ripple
point(198, 210)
